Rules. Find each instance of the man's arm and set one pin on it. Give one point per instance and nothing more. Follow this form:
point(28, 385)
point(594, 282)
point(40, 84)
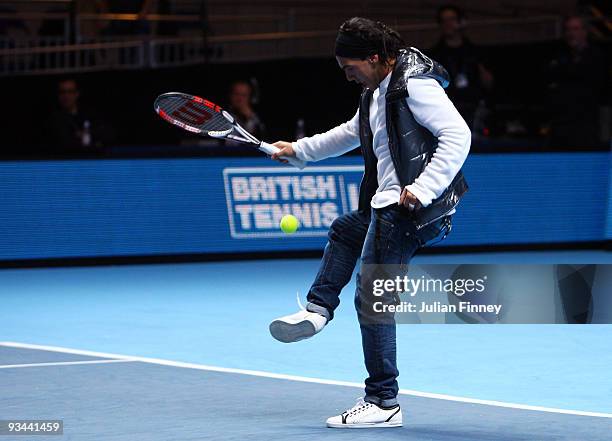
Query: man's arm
point(433, 110)
point(334, 142)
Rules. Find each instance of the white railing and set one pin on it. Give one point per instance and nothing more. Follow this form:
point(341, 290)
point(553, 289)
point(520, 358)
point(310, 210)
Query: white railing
point(278, 45)
point(72, 58)
point(28, 56)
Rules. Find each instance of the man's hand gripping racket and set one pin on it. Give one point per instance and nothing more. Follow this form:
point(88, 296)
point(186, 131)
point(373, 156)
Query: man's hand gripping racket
point(203, 117)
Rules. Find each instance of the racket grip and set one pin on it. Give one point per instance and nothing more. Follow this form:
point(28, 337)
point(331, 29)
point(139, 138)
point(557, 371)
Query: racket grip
point(270, 149)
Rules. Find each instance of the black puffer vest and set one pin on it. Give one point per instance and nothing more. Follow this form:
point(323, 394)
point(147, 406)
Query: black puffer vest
point(411, 145)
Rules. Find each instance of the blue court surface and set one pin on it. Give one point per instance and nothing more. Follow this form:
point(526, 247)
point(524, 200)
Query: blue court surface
point(182, 352)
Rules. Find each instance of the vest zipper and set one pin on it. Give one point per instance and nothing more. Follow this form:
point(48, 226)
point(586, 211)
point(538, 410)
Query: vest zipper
point(418, 227)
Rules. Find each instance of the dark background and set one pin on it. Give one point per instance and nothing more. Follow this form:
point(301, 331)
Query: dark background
point(312, 89)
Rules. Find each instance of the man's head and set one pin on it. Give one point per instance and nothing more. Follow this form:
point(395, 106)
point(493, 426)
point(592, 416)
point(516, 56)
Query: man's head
point(240, 94)
point(366, 50)
point(68, 95)
point(450, 20)
point(575, 32)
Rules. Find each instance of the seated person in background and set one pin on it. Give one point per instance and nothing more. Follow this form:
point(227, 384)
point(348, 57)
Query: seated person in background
point(241, 107)
point(70, 130)
point(463, 61)
point(577, 80)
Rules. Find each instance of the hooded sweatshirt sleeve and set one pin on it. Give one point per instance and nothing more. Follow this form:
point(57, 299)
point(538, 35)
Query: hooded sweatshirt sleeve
point(334, 142)
point(433, 110)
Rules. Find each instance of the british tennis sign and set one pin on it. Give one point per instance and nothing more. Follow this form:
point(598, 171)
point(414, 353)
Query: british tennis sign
point(258, 197)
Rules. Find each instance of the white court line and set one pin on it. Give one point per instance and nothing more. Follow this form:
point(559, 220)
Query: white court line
point(62, 363)
point(202, 367)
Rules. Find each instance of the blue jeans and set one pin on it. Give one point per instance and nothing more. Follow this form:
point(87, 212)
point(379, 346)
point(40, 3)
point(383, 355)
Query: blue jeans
point(384, 236)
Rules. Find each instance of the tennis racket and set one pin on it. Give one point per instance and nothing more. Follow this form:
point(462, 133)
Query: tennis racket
point(203, 117)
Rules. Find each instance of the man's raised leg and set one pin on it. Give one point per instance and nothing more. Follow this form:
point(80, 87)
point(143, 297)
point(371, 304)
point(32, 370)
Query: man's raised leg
point(346, 236)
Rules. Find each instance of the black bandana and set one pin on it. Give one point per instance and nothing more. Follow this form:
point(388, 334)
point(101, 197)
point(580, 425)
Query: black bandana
point(353, 46)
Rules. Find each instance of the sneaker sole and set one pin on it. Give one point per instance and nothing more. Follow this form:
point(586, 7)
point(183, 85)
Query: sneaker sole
point(363, 426)
point(290, 333)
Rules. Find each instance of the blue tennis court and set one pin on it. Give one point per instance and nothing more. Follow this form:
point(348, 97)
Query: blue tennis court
point(182, 351)
point(120, 399)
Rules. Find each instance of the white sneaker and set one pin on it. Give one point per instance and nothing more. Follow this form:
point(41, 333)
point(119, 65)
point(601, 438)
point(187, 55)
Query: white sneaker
point(365, 415)
point(299, 326)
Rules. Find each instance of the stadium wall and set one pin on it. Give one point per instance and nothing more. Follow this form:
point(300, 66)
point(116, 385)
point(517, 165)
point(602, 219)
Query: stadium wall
point(172, 206)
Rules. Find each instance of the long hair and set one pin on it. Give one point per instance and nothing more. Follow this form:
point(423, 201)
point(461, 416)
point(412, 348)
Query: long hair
point(388, 40)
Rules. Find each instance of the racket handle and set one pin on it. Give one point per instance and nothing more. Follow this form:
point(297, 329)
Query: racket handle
point(270, 149)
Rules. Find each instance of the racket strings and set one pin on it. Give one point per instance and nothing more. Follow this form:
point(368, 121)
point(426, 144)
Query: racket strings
point(195, 114)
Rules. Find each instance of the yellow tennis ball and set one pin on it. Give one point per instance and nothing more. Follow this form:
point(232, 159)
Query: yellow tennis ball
point(289, 224)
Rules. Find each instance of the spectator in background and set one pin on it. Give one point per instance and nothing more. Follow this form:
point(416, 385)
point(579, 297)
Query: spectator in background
point(241, 106)
point(577, 81)
point(70, 130)
point(463, 61)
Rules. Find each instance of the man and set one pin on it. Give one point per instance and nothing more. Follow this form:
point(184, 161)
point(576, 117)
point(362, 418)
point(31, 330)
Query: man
point(463, 61)
point(577, 77)
point(240, 105)
point(70, 129)
point(414, 143)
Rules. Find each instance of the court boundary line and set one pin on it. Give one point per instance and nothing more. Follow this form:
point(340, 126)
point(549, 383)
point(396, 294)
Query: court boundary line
point(63, 363)
point(202, 367)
